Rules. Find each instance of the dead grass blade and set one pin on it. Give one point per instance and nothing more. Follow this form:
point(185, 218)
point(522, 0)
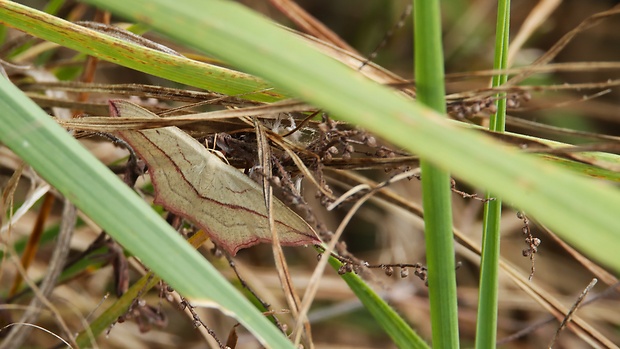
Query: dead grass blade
point(106, 124)
point(537, 17)
point(33, 240)
point(309, 24)
point(8, 192)
point(264, 156)
point(300, 165)
point(559, 46)
point(17, 337)
point(140, 90)
point(572, 310)
point(594, 268)
point(313, 284)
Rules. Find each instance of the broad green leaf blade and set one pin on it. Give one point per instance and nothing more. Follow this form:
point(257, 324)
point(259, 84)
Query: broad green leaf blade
point(550, 194)
point(95, 190)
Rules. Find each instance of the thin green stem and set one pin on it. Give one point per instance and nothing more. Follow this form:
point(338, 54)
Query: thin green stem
point(429, 73)
point(486, 326)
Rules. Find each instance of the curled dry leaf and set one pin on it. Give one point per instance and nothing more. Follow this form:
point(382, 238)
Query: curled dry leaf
point(195, 184)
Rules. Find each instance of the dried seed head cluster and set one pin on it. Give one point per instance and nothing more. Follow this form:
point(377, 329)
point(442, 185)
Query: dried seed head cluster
point(356, 266)
point(334, 141)
point(464, 110)
point(418, 270)
point(467, 108)
point(531, 241)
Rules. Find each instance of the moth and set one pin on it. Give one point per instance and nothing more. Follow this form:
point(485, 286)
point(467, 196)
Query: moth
point(197, 185)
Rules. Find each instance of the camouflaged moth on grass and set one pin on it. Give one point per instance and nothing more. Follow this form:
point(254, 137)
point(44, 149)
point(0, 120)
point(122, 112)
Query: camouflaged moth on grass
point(193, 183)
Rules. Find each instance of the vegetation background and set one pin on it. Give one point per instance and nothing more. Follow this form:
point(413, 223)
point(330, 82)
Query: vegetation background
point(378, 233)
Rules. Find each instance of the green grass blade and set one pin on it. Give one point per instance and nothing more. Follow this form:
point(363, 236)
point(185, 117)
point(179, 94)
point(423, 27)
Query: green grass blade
point(95, 190)
point(486, 324)
point(436, 193)
point(589, 170)
point(402, 335)
point(132, 55)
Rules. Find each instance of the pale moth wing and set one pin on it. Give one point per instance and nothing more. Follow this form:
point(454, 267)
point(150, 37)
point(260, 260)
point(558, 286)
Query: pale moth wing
point(193, 183)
